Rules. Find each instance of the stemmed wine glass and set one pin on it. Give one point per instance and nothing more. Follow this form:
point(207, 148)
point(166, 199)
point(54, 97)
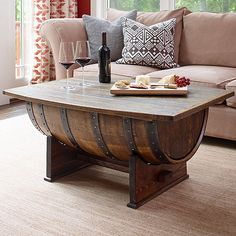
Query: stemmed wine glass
point(82, 56)
point(66, 58)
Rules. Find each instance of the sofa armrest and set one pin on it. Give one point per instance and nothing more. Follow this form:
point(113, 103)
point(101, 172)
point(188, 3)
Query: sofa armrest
point(63, 29)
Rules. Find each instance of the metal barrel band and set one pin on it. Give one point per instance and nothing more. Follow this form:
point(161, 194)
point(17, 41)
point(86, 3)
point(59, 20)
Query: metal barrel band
point(42, 115)
point(128, 131)
point(64, 119)
point(30, 112)
point(151, 127)
point(98, 135)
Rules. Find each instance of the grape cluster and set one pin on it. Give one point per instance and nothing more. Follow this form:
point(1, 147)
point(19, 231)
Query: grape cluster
point(181, 81)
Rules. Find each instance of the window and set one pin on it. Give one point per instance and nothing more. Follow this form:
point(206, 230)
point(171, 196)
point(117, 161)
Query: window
point(18, 39)
point(193, 5)
point(208, 5)
point(98, 7)
point(141, 5)
point(23, 31)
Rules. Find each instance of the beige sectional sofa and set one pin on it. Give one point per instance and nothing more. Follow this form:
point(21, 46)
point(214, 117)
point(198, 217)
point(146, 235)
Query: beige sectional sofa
point(205, 49)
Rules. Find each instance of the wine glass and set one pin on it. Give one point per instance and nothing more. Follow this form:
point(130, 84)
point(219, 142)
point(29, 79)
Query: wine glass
point(66, 58)
point(82, 56)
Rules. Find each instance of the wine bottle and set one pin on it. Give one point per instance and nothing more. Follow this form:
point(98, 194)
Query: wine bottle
point(104, 61)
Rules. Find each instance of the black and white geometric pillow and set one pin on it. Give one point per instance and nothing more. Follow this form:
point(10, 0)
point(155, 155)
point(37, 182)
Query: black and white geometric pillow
point(148, 45)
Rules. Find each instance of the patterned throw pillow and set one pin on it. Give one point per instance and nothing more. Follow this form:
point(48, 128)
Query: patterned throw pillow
point(148, 45)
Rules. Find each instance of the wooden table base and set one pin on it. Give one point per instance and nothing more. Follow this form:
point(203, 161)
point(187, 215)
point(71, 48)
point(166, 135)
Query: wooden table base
point(148, 181)
point(145, 181)
point(61, 160)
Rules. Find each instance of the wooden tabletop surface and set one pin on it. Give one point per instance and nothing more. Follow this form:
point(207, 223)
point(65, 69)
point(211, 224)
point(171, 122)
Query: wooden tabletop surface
point(97, 98)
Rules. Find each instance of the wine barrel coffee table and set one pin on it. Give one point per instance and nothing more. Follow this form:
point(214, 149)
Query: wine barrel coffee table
point(150, 137)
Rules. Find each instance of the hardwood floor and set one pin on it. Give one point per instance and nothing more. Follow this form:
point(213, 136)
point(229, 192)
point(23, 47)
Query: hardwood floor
point(12, 110)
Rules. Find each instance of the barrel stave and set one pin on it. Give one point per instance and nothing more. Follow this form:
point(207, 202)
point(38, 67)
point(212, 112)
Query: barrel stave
point(183, 136)
point(142, 142)
point(54, 121)
point(81, 126)
point(112, 131)
point(39, 115)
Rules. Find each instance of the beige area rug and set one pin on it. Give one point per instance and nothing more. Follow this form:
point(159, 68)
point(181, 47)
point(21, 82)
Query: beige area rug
point(93, 201)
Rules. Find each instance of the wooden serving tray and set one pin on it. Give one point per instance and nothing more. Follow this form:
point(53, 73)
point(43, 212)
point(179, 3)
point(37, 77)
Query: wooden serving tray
point(156, 91)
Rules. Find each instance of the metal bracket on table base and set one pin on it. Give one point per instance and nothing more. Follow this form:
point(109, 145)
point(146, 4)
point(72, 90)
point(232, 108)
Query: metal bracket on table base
point(147, 181)
point(61, 160)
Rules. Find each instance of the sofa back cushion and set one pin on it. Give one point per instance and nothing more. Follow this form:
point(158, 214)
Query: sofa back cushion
point(209, 39)
point(151, 18)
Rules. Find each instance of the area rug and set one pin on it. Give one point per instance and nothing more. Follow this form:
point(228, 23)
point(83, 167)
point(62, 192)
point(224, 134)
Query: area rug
point(93, 200)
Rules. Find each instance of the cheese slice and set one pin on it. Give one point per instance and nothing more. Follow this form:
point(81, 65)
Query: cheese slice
point(142, 79)
point(169, 79)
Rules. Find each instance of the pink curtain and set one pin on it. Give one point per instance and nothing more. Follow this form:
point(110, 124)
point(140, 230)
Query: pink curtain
point(43, 67)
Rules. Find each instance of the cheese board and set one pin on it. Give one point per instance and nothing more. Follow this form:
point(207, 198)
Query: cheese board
point(158, 90)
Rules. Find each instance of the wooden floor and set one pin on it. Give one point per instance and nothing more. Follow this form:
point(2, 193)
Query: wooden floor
point(12, 110)
point(93, 200)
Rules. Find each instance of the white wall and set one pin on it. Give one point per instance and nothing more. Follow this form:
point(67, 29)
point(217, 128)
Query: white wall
point(7, 47)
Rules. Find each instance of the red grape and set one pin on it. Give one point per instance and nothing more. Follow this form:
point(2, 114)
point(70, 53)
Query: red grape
point(182, 81)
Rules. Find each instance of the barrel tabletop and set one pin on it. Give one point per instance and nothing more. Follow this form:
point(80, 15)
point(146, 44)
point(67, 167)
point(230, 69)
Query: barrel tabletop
point(97, 98)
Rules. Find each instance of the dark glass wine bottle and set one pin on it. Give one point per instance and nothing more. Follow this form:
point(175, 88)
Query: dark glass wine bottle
point(104, 61)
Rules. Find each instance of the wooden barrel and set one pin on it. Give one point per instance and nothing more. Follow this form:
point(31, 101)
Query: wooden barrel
point(116, 137)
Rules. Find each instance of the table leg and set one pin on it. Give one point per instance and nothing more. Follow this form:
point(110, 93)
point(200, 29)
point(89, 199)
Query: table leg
point(147, 181)
point(61, 160)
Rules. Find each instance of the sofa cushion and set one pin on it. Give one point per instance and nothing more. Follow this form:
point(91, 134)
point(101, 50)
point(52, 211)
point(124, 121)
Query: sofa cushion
point(148, 45)
point(118, 69)
point(232, 87)
point(95, 26)
point(151, 18)
point(221, 122)
point(208, 39)
point(211, 76)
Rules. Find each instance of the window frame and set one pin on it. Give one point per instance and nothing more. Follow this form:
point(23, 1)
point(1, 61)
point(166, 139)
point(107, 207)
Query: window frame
point(167, 5)
point(99, 7)
point(21, 38)
point(26, 51)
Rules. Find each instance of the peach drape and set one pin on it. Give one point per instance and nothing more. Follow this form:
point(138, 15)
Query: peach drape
point(43, 66)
